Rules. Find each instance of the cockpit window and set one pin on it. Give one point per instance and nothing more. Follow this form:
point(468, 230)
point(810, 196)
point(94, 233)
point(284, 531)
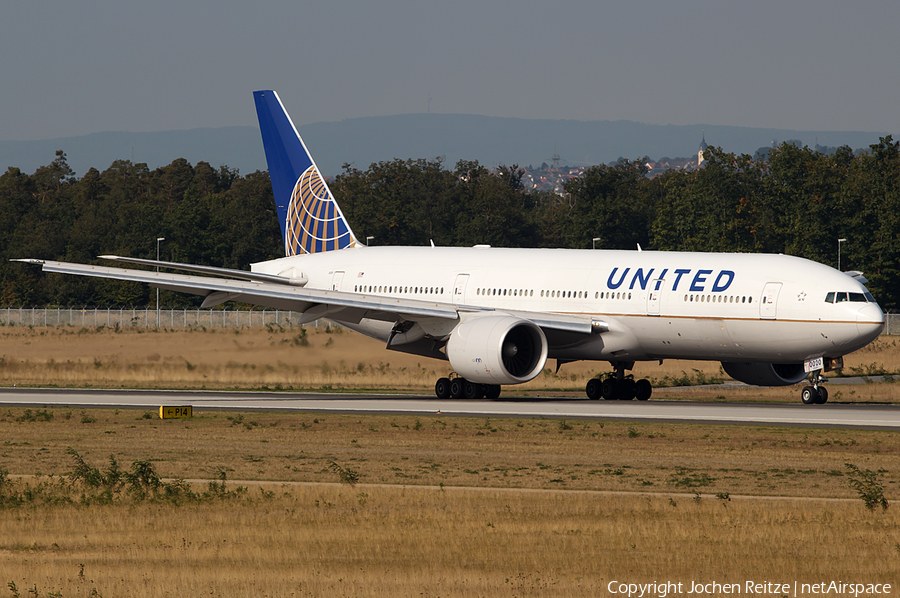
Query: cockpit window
point(839, 297)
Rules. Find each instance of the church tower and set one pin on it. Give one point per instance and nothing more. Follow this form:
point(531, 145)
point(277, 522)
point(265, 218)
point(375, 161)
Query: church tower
point(703, 147)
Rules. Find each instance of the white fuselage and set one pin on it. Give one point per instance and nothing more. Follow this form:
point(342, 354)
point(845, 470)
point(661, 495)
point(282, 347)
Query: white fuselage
point(659, 305)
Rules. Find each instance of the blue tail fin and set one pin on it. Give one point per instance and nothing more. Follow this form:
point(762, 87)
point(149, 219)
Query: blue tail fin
point(311, 221)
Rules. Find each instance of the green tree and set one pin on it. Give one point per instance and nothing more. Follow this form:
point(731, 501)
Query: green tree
point(610, 202)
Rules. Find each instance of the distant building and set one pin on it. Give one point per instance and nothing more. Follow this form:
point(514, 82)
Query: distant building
point(703, 147)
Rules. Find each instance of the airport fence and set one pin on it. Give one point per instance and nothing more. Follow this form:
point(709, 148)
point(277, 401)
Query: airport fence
point(892, 324)
point(184, 317)
point(146, 317)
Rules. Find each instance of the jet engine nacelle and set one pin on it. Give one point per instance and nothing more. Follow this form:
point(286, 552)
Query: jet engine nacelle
point(497, 350)
point(765, 374)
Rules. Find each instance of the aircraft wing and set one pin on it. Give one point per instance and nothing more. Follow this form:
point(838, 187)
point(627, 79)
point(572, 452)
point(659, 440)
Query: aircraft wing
point(312, 303)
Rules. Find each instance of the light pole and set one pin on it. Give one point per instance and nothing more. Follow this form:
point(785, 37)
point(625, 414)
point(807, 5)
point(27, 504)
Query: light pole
point(839, 253)
point(368, 239)
point(594, 242)
point(158, 239)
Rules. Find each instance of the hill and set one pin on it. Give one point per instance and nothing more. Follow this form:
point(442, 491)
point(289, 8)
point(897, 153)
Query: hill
point(361, 141)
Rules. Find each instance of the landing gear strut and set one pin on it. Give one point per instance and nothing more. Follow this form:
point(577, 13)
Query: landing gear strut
point(815, 394)
point(460, 388)
point(618, 387)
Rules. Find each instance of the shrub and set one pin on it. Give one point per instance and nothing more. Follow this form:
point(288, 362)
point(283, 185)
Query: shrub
point(868, 486)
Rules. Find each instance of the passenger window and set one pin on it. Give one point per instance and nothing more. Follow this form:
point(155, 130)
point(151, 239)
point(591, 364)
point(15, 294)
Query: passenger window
point(829, 298)
point(841, 297)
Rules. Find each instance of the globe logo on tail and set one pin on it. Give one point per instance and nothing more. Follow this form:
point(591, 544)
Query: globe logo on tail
point(314, 221)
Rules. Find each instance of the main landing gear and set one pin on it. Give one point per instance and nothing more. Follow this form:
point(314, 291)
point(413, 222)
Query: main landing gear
point(460, 388)
point(815, 394)
point(617, 387)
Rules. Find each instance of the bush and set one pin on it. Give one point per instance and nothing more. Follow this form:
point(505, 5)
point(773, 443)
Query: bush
point(868, 486)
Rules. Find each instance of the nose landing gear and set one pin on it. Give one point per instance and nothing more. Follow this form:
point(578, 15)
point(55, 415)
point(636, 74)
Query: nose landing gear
point(815, 394)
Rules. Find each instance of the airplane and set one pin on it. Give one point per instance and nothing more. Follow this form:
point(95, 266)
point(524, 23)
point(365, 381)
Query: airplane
point(497, 315)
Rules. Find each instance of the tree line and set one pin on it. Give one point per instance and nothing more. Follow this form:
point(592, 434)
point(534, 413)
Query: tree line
point(792, 200)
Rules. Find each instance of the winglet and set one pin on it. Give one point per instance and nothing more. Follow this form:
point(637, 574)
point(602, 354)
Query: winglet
point(311, 220)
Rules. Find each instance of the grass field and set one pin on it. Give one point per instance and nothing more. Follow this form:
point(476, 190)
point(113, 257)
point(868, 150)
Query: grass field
point(323, 359)
point(343, 541)
point(442, 506)
point(439, 506)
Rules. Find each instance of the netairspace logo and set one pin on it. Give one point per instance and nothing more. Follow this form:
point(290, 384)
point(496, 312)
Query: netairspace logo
point(765, 588)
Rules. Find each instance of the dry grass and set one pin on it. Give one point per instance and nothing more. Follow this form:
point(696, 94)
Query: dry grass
point(344, 541)
point(281, 358)
point(499, 507)
point(456, 451)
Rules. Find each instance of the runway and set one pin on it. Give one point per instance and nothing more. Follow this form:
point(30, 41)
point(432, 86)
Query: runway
point(885, 417)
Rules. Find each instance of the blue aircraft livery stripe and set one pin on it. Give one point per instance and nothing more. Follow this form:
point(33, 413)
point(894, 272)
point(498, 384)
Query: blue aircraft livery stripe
point(311, 221)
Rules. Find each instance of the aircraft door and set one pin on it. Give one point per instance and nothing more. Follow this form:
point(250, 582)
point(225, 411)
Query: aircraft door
point(769, 300)
point(459, 288)
point(654, 296)
point(336, 281)
point(653, 302)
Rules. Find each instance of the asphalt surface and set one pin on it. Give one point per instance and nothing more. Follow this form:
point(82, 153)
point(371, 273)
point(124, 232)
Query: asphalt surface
point(830, 415)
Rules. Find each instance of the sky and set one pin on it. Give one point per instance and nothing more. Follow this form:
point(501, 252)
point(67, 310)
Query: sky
point(74, 68)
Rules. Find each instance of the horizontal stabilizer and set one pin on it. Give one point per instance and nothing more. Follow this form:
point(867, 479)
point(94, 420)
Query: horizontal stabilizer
point(857, 275)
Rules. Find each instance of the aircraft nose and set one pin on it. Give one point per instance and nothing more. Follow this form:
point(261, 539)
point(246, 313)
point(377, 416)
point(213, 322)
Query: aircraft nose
point(870, 321)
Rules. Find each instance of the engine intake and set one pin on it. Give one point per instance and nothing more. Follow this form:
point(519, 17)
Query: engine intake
point(497, 350)
point(765, 374)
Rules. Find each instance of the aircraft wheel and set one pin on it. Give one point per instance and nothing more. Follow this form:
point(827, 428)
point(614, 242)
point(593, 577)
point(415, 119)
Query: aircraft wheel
point(808, 395)
point(593, 389)
point(823, 395)
point(491, 391)
point(471, 390)
point(643, 389)
point(608, 389)
point(442, 388)
point(627, 389)
point(457, 387)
